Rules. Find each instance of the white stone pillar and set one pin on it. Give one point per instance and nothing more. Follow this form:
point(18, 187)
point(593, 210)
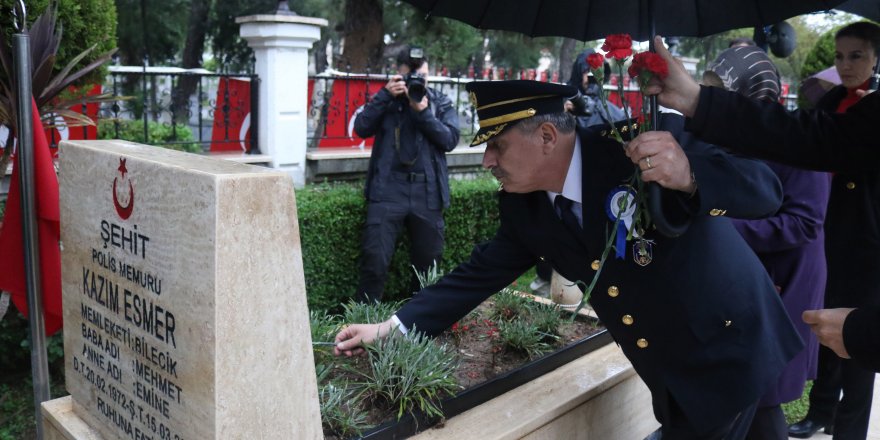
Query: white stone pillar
point(281, 44)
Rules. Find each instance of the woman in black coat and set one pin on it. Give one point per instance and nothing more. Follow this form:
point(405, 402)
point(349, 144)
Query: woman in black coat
point(852, 248)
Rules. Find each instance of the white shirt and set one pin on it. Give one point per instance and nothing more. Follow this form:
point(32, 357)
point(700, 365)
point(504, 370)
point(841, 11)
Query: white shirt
point(572, 189)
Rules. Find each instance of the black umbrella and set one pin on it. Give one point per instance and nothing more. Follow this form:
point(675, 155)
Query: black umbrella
point(593, 19)
point(869, 9)
point(642, 19)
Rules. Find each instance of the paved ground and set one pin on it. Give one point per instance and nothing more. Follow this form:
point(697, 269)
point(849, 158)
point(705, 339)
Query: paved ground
point(874, 427)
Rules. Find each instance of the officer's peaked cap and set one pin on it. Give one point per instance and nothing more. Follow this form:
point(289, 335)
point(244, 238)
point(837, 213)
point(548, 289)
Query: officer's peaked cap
point(500, 104)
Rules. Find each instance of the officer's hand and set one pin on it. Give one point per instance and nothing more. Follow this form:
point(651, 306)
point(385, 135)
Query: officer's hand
point(827, 324)
point(396, 86)
point(349, 341)
point(419, 106)
point(678, 90)
point(661, 160)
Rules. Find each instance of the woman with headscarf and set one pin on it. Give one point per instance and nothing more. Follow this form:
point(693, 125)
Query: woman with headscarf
point(852, 241)
point(790, 243)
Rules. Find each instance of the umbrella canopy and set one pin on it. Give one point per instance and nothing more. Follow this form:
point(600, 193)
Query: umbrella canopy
point(869, 9)
point(594, 19)
point(816, 85)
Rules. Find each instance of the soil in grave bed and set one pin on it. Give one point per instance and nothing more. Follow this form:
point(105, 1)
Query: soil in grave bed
point(482, 357)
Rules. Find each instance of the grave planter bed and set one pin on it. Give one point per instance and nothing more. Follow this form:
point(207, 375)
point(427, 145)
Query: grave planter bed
point(410, 424)
point(488, 365)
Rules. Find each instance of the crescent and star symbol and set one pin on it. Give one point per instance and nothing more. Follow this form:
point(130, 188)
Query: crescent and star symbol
point(123, 211)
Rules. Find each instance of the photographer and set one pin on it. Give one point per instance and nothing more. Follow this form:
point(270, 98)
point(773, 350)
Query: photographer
point(407, 181)
point(587, 107)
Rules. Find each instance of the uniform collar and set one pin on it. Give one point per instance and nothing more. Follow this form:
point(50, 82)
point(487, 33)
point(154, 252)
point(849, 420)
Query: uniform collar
point(572, 188)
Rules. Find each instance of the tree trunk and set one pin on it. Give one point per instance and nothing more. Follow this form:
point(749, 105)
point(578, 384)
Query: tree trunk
point(364, 33)
point(567, 54)
point(192, 58)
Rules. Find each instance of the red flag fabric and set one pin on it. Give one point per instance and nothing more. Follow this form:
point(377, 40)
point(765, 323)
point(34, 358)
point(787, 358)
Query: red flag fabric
point(12, 274)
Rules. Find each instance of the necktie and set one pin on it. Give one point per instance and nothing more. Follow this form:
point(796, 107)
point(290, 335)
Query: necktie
point(564, 207)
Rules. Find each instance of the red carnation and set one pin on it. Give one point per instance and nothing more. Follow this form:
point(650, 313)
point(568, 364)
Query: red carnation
point(595, 61)
point(618, 46)
point(650, 62)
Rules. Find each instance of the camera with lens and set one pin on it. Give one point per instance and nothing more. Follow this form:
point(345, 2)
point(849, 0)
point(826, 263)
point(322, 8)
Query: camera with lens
point(415, 86)
point(415, 82)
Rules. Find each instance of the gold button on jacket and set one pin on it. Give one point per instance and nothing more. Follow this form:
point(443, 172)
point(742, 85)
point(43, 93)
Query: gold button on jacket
point(850, 185)
point(613, 291)
point(716, 212)
point(595, 265)
point(627, 319)
point(642, 343)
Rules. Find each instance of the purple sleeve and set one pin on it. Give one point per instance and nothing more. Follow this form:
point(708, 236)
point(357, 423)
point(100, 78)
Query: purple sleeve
point(800, 219)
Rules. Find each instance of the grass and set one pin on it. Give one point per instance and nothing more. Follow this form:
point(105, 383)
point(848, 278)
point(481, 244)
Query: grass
point(407, 373)
point(796, 410)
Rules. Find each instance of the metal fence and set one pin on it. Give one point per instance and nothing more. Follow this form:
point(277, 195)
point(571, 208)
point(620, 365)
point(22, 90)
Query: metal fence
point(218, 112)
point(337, 98)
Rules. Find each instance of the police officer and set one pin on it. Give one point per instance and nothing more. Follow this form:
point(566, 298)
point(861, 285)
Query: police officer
point(696, 315)
point(407, 181)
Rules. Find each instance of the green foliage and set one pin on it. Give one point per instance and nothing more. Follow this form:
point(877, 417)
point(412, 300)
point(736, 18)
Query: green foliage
point(408, 372)
point(16, 388)
point(509, 306)
point(15, 346)
point(428, 277)
point(323, 328)
point(547, 318)
point(355, 312)
point(820, 56)
point(796, 410)
point(331, 218)
point(447, 43)
point(163, 24)
point(338, 414)
point(233, 53)
point(176, 137)
point(85, 23)
point(516, 51)
point(523, 336)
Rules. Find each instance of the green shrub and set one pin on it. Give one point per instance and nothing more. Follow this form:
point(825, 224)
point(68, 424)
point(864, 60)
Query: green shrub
point(331, 218)
point(338, 414)
point(84, 23)
point(509, 305)
point(359, 313)
point(547, 318)
point(176, 137)
point(523, 336)
point(15, 346)
point(407, 373)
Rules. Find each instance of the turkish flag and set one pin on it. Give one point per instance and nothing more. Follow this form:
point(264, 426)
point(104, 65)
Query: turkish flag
point(12, 274)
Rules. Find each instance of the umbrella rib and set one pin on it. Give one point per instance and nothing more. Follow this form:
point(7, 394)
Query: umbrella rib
point(535, 20)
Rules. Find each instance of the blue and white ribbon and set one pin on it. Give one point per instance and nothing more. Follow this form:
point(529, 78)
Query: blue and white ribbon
point(621, 202)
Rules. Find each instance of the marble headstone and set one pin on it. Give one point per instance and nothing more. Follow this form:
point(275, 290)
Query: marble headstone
point(185, 312)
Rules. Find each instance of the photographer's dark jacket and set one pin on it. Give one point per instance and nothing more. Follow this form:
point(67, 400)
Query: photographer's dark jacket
point(425, 136)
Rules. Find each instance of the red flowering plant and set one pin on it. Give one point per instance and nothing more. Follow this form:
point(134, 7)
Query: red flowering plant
point(627, 205)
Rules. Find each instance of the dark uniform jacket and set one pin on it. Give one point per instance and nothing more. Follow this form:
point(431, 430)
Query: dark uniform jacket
point(702, 322)
point(861, 336)
point(852, 230)
point(435, 132)
point(847, 143)
point(817, 140)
